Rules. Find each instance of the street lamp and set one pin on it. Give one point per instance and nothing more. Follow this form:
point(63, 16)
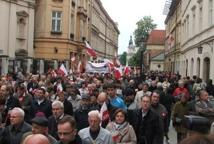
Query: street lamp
point(200, 49)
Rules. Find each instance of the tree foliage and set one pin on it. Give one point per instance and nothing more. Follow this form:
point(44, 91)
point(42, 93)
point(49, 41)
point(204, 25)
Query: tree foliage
point(141, 33)
point(144, 27)
point(123, 58)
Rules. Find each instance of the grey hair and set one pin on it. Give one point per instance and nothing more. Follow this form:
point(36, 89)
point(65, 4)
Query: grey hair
point(58, 103)
point(94, 113)
point(21, 111)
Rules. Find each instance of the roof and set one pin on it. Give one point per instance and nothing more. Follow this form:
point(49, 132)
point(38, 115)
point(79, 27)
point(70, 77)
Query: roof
point(156, 37)
point(159, 57)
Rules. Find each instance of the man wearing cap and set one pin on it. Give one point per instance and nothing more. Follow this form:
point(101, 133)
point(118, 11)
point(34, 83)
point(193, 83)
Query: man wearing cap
point(129, 94)
point(81, 114)
point(40, 126)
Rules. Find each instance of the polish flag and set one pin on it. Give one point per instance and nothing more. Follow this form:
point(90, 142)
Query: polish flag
point(117, 73)
point(104, 112)
point(73, 58)
point(126, 70)
point(63, 70)
point(116, 60)
point(90, 50)
point(53, 73)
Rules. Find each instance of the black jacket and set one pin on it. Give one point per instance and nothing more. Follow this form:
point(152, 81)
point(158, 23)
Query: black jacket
point(148, 129)
point(13, 136)
point(44, 107)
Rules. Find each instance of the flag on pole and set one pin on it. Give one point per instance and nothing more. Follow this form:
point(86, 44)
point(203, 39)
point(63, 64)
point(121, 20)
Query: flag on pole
point(63, 70)
point(117, 73)
point(90, 50)
point(73, 58)
point(126, 70)
point(104, 112)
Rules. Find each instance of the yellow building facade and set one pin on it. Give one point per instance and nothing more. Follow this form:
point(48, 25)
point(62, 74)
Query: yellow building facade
point(63, 26)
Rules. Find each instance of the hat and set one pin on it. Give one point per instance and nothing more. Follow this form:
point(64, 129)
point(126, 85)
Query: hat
point(40, 120)
point(85, 96)
point(129, 92)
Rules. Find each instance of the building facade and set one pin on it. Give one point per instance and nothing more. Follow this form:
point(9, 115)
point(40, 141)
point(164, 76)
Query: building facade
point(62, 27)
point(197, 38)
point(173, 37)
point(104, 31)
point(131, 50)
point(154, 50)
point(16, 37)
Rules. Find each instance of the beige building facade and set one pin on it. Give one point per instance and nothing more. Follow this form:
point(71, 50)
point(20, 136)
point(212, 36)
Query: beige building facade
point(197, 38)
point(104, 31)
point(173, 38)
point(16, 37)
point(62, 27)
point(190, 36)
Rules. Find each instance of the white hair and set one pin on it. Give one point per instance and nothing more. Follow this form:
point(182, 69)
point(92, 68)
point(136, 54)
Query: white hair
point(57, 103)
point(94, 113)
point(20, 111)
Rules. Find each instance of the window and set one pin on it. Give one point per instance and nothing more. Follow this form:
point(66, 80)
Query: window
point(56, 21)
point(193, 20)
point(210, 18)
point(200, 16)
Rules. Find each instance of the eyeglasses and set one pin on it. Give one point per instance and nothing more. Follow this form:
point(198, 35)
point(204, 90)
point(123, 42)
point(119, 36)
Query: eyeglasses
point(65, 133)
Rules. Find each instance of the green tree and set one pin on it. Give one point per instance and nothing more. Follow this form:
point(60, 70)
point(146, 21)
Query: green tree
point(122, 58)
point(141, 33)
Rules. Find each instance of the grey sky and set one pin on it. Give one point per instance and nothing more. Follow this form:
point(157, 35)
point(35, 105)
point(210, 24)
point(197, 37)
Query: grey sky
point(126, 13)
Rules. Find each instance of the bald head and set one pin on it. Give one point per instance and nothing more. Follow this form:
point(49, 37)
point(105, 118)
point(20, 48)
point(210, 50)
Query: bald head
point(102, 97)
point(36, 139)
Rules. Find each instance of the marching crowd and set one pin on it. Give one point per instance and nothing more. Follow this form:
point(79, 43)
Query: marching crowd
point(99, 109)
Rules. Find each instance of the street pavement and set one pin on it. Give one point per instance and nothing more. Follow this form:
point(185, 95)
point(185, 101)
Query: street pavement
point(172, 135)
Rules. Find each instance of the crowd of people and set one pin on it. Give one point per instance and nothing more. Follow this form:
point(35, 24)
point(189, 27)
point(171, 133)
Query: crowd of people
point(61, 109)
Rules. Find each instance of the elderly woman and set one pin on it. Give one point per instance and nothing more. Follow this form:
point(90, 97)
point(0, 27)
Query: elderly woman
point(122, 132)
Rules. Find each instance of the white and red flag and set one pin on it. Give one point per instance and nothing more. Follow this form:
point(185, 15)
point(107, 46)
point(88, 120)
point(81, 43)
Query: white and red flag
point(90, 50)
point(117, 73)
point(62, 70)
point(104, 112)
point(126, 70)
point(73, 58)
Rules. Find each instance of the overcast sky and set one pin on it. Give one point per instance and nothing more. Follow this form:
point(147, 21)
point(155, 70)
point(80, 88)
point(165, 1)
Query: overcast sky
point(126, 13)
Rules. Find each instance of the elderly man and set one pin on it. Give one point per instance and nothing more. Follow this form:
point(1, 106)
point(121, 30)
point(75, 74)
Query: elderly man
point(67, 131)
point(36, 139)
point(203, 106)
point(95, 133)
point(40, 126)
point(13, 133)
point(58, 113)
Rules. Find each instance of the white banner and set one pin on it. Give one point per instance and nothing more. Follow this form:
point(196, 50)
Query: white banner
point(97, 67)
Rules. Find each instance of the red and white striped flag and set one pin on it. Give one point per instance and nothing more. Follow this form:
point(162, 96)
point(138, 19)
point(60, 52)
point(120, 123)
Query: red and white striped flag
point(104, 112)
point(62, 70)
point(73, 58)
point(90, 50)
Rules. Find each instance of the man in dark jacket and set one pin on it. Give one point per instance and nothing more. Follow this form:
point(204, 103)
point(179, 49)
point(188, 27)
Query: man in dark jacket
point(10, 102)
point(146, 123)
point(58, 114)
point(13, 133)
point(67, 131)
point(40, 103)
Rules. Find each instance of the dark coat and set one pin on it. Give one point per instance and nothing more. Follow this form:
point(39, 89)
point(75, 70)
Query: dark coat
point(13, 136)
point(52, 126)
point(147, 130)
point(44, 107)
point(81, 117)
point(68, 107)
